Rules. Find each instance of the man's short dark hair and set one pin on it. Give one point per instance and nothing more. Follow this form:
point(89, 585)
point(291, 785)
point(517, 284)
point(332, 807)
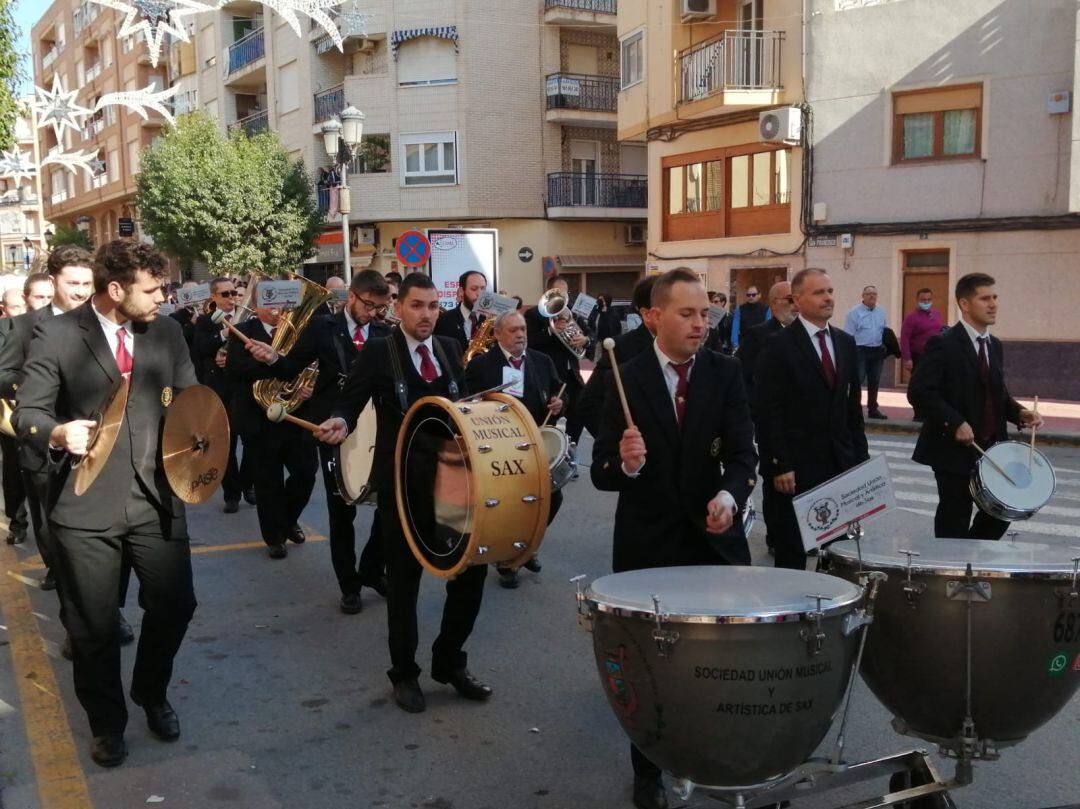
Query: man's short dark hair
point(924, 291)
point(463, 279)
point(393, 277)
point(119, 260)
point(641, 298)
point(219, 282)
point(68, 255)
point(868, 287)
point(553, 280)
point(369, 281)
point(801, 276)
point(414, 280)
point(966, 286)
point(35, 278)
point(661, 291)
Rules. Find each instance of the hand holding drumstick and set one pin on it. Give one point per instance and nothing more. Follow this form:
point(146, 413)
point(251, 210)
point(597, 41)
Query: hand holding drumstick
point(632, 445)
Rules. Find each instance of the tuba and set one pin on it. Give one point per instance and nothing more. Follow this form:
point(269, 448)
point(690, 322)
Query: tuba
point(268, 392)
point(554, 304)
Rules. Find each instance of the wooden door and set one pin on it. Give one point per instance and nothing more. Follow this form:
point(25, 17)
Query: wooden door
point(924, 269)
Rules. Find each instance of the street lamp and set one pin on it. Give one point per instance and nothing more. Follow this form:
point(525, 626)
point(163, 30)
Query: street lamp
point(28, 253)
point(48, 238)
point(341, 139)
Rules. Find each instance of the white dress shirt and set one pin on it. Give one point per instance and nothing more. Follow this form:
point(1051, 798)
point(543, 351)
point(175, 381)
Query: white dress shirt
point(56, 310)
point(974, 337)
point(813, 330)
point(110, 328)
point(352, 324)
point(413, 344)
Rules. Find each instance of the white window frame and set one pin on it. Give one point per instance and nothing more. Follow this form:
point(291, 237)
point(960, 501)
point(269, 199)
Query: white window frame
point(638, 36)
point(421, 138)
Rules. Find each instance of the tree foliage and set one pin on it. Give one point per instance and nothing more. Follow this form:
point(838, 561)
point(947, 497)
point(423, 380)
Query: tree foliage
point(69, 235)
point(235, 203)
point(11, 74)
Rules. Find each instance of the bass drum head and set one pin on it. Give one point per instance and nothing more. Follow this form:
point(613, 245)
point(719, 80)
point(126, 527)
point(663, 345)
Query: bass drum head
point(435, 480)
point(355, 458)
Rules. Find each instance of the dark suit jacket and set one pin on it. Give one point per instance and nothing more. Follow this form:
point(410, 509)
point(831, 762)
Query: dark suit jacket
point(451, 323)
point(750, 349)
point(372, 378)
point(802, 426)
point(205, 341)
point(186, 318)
point(946, 391)
point(541, 339)
point(660, 517)
point(69, 372)
point(590, 405)
point(13, 355)
point(541, 380)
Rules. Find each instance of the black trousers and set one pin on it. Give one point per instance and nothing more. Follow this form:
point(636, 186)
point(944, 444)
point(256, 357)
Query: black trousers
point(953, 517)
point(89, 564)
point(13, 488)
point(574, 424)
point(771, 507)
point(36, 485)
point(279, 499)
point(350, 576)
point(238, 475)
point(463, 597)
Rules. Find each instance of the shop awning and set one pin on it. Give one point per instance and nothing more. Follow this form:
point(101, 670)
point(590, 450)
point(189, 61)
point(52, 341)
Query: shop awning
point(611, 262)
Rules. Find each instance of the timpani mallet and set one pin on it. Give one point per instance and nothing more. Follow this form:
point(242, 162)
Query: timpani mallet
point(277, 414)
point(609, 347)
point(218, 319)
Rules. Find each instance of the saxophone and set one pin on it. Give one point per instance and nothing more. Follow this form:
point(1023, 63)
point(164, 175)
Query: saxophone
point(482, 340)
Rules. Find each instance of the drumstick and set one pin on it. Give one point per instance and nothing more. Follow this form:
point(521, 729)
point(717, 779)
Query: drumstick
point(993, 463)
point(277, 414)
point(1031, 453)
point(218, 318)
point(562, 390)
point(609, 347)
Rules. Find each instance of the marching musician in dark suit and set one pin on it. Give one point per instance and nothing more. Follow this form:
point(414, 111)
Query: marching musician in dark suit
point(429, 366)
point(686, 467)
point(461, 322)
point(542, 337)
point(538, 390)
point(276, 450)
point(781, 305)
point(75, 360)
point(959, 389)
point(338, 342)
point(590, 404)
point(807, 408)
point(209, 353)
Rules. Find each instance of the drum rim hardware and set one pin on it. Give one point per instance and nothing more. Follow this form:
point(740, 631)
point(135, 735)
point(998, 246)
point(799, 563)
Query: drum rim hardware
point(665, 639)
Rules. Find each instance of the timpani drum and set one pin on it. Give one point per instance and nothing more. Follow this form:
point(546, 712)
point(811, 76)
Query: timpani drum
point(472, 483)
point(351, 462)
point(1029, 486)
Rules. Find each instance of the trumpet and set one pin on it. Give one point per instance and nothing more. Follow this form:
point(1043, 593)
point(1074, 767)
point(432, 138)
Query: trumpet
point(554, 304)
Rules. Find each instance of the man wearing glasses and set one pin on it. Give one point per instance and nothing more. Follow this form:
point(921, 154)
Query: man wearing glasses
point(337, 342)
point(750, 314)
point(209, 345)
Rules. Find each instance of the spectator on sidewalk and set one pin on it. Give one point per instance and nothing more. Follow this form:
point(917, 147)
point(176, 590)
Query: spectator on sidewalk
point(750, 314)
point(866, 323)
point(719, 339)
point(919, 326)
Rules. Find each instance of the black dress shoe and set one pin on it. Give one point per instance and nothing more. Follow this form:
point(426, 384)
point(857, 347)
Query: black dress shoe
point(296, 534)
point(232, 506)
point(16, 537)
point(160, 718)
point(377, 583)
point(409, 697)
point(508, 578)
point(108, 750)
point(466, 685)
point(123, 630)
point(649, 792)
point(49, 582)
point(877, 414)
point(249, 496)
point(351, 604)
point(534, 565)
point(278, 551)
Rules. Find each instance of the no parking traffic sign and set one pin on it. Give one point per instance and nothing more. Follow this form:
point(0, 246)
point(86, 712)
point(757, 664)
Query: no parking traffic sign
point(413, 248)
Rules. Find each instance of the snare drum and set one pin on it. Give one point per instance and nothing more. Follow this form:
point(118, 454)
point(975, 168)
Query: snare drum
point(1031, 487)
point(352, 460)
point(1025, 633)
point(562, 458)
point(725, 676)
point(472, 483)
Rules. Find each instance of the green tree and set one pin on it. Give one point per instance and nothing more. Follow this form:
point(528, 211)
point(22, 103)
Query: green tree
point(69, 235)
point(11, 74)
point(235, 203)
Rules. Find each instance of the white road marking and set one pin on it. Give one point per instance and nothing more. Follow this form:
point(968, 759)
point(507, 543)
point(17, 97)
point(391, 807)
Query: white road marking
point(1029, 527)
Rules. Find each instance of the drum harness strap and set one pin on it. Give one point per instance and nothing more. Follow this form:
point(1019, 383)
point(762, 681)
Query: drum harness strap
point(401, 387)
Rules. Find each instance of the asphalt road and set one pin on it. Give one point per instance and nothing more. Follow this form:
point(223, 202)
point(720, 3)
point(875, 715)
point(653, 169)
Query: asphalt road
point(284, 701)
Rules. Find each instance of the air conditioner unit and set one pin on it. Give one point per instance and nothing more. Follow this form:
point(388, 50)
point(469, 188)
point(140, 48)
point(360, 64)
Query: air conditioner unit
point(698, 9)
point(783, 125)
point(636, 234)
point(365, 45)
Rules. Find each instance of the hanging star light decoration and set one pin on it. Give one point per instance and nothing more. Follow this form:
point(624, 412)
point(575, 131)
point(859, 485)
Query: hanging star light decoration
point(316, 9)
point(139, 101)
point(155, 19)
point(86, 159)
point(17, 165)
point(352, 21)
point(58, 108)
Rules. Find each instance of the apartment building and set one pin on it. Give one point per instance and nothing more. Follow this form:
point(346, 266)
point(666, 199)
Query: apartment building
point(23, 227)
point(477, 113)
point(77, 41)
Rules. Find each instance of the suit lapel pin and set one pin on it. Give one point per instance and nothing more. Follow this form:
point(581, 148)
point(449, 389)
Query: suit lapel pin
point(715, 449)
point(166, 396)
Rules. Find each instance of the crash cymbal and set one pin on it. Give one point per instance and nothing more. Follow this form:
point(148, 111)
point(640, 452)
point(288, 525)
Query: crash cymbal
point(195, 444)
point(109, 418)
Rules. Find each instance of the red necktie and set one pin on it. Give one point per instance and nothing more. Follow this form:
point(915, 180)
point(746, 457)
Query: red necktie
point(427, 366)
point(517, 362)
point(123, 356)
point(681, 388)
point(358, 337)
point(989, 414)
point(826, 360)
point(474, 323)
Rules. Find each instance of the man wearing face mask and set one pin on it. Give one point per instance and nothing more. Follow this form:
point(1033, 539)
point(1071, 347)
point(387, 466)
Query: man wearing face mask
point(918, 327)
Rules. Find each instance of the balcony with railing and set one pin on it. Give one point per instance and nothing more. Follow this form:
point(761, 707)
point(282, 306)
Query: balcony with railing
point(580, 100)
point(247, 50)
point(50, 55)
point(581, 13)
point(84, 15)
point(93, 71)
point(253, 124)
point(587, 195)
point(183, 103)
point(736, 67)
point(329, 103)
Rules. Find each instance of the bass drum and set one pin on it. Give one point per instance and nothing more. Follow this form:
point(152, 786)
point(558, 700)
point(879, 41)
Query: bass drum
point(1025, 633)
point(472, 483)
point(726, 676)
point(351, 461)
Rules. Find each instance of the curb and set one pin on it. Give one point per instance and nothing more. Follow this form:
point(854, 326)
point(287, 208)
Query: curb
point(1046, 438)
